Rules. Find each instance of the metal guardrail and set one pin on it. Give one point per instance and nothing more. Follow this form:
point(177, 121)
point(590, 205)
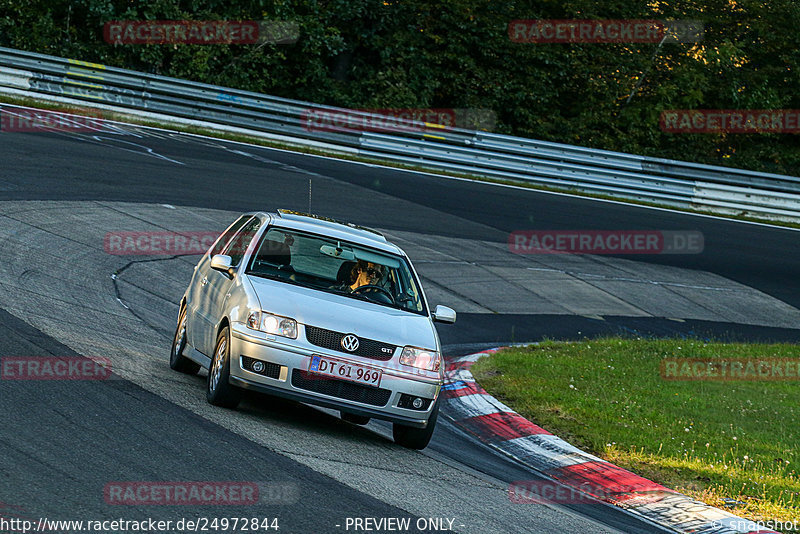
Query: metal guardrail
point(554, 165)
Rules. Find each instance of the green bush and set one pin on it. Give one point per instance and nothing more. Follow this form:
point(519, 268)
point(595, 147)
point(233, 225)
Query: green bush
point(457, 54)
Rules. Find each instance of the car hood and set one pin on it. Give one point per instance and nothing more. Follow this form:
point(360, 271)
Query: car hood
point(344, 314)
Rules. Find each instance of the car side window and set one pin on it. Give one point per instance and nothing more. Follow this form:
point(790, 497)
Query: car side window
point(229, 233)
point(238, 245)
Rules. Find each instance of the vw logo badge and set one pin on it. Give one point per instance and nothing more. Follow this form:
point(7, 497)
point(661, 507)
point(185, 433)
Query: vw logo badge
point(350, 343)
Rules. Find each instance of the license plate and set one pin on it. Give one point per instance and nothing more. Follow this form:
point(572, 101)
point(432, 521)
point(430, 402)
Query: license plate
point(344, 370)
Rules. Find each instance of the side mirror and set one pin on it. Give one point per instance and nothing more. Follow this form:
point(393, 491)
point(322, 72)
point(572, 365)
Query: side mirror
point(222, 263)
point(443, 314)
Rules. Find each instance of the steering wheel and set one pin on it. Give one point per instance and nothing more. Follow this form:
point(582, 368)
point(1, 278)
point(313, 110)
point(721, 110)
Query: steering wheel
point(375, 291)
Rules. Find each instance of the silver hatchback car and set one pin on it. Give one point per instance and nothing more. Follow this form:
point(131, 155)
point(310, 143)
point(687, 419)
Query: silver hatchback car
point(317, 311)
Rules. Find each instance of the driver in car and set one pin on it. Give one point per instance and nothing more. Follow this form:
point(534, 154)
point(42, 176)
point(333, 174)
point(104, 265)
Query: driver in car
point(365, 274)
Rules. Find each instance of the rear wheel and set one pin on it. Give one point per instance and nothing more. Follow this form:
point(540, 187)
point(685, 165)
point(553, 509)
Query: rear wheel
point(177, 361)
point(355, 419)
point(219, 391)
point(416, 438)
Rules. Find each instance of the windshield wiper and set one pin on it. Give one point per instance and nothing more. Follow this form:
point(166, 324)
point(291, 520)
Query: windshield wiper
point(281, 279)
point(351, 295)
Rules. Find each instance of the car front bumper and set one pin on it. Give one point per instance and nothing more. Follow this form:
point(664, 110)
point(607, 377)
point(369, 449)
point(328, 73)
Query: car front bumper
point(289, 361)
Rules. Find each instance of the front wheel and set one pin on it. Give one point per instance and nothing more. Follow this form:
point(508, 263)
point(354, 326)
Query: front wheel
point(416, 438)
point(177, 361)
point(219, 391)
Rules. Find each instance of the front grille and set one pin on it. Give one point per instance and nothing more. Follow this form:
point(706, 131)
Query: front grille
point(271, 370)
point(340, 388)
point(367, 348)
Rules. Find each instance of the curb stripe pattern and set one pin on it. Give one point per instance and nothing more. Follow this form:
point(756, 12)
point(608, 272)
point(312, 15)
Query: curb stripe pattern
point(501, 426)
point(496, 425)
point(548, 452)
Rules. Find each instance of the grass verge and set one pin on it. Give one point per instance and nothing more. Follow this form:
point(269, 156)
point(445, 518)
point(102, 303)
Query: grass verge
point(732, 444)
point(261, 141)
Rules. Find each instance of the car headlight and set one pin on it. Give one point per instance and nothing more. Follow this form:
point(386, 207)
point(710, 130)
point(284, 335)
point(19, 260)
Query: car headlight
point(273, 324)
point(428, 360)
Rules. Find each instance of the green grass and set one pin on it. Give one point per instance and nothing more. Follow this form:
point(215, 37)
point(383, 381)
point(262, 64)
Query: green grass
point(261, 141)
point(716, 440)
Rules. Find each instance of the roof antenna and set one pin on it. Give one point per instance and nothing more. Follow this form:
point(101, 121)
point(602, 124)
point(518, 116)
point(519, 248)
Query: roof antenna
point(309, 196)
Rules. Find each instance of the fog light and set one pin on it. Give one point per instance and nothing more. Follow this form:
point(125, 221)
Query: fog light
point(412, 402)
point(258, 367)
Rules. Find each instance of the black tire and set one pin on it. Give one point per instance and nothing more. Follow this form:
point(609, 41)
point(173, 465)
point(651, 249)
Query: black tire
point(416, 438)
point(177, 361)
point(219, 391)
point(355, 419)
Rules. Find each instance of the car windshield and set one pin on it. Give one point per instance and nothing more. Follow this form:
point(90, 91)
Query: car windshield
point(337, 267)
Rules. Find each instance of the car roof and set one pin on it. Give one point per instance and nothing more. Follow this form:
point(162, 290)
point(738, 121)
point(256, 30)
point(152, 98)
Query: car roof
point(344, 231)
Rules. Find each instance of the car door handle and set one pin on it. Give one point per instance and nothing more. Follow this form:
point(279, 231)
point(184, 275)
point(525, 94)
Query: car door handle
point(204, 281)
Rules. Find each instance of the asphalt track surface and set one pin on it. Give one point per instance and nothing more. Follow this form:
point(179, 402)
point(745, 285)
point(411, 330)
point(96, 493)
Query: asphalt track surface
point(64, 441)
point(764, 258)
